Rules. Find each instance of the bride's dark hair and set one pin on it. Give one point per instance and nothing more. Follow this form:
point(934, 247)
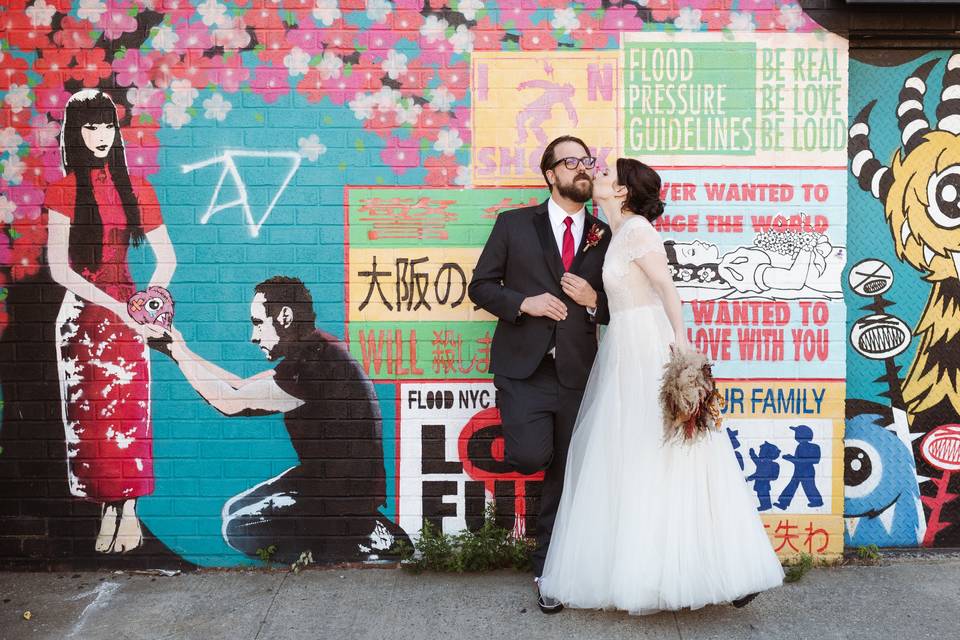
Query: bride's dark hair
point(91, 106)
point(643, 188)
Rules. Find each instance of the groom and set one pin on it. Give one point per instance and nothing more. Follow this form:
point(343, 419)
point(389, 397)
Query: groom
point(540, 274)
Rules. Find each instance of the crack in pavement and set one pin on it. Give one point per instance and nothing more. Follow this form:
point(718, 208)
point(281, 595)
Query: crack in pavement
point(178, 629)
point(273, 601)
point(103, 590)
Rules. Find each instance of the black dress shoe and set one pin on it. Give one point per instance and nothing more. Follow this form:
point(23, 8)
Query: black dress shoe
point(740, 603)
point(548, 604)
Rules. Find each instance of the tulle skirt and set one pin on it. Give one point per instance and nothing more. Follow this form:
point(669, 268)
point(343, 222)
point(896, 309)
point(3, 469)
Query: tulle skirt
point(643, 525)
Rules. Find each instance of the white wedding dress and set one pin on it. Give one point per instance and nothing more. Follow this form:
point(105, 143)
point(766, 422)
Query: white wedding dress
point(643, 525)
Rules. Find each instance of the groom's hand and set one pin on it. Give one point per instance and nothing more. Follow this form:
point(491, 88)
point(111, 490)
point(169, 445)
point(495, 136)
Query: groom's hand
point(176, 346)
point(579, 290)
point(544, 305)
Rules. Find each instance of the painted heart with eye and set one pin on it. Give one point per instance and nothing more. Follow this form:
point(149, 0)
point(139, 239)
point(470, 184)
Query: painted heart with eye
point(153, 306)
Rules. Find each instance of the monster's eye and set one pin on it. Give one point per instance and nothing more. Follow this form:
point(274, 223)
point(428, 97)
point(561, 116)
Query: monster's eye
point(862, 469)
point(154, 304)
point(943, 193)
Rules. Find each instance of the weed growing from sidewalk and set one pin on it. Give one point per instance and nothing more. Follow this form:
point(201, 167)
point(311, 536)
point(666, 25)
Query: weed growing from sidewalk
point(305, 559)
point(798, 569)
point(266, 554)
point(871, 553)
point(488, 548)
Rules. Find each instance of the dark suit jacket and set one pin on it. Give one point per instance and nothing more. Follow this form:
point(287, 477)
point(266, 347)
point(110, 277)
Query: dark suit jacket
point(521, 259)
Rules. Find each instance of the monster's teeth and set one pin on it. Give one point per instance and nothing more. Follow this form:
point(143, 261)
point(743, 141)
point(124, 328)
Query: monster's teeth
point(886, 518)
point(852, 524)
point(928, 254)
point(905, 232)
point(956, 262)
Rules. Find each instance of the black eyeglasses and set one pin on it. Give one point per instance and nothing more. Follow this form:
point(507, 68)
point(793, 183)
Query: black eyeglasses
point(571, 162)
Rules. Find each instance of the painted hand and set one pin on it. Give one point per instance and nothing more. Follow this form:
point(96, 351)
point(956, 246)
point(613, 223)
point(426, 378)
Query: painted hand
point(175, 344)
point(145, 331)
point(152, 331)
point(175, 335)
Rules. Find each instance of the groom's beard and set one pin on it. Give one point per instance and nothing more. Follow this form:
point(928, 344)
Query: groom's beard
point(580, 189)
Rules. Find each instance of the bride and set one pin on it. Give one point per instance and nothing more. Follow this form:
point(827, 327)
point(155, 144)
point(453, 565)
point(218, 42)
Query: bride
point(645, 525)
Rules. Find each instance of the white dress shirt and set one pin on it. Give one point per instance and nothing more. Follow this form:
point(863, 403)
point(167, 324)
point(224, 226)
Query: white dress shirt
point(557, 224)
point(559, 227)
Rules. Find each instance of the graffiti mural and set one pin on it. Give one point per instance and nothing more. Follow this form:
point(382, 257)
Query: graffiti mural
point(906, 177)
point(363, 150)
point(753, 165)
point(783, 435)
point(452, 460)
point(328, 503)
point(882, 498)
point(94, 213)
point(228, 160)
point(412, 253)
point(540, 94)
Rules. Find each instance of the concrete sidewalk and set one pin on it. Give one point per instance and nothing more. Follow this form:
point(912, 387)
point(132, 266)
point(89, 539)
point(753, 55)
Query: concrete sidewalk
point(913, 598)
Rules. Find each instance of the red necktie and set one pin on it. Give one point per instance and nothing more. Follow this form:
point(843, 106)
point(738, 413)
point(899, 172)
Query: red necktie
point(567, 253)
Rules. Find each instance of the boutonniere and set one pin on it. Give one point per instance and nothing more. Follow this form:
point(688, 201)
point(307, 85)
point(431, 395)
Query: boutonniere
point(593, 236)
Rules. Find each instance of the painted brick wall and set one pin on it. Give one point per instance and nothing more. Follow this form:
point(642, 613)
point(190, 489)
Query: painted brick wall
point(902, 399)
point(365, 148)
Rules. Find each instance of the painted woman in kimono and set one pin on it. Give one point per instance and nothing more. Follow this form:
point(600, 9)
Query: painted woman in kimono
point(95, 212)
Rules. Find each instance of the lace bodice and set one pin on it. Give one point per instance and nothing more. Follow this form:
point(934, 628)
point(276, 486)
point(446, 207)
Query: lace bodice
point(624, 281)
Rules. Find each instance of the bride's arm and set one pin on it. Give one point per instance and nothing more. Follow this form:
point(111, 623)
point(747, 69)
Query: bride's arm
point(58, 259)
point(654, 265)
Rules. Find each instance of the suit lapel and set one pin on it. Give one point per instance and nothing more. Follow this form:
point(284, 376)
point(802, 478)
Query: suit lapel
point(548, 243)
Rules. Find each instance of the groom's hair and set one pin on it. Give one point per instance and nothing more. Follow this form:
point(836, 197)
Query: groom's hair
point(282, 291)
point(547, 160)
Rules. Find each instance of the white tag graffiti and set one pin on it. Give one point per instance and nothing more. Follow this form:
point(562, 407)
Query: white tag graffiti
point(230, 168)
